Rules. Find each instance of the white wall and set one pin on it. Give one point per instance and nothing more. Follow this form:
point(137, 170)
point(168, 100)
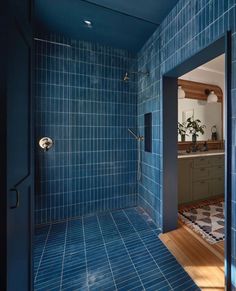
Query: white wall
point(208, 77)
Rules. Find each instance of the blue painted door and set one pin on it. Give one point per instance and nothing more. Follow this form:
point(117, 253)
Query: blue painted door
point(19, 160)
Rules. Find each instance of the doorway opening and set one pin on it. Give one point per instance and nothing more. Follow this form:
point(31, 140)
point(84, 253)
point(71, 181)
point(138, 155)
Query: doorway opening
point(196, 171)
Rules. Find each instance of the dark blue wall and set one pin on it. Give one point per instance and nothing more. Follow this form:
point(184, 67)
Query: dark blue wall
point(83, 103)
point(191, 26)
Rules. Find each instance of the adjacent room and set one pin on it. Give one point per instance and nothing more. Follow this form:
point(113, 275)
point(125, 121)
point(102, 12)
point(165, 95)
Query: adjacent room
point(199, 238)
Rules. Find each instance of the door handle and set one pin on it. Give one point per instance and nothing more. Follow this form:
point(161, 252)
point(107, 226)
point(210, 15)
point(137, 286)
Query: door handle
point(17, 198)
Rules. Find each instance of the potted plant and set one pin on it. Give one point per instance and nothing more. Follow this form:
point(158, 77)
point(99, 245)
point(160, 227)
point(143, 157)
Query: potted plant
point(195, 127)
point(182, 130)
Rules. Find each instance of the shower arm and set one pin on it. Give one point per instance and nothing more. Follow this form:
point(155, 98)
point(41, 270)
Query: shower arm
point(145, 73)
point(135, 136)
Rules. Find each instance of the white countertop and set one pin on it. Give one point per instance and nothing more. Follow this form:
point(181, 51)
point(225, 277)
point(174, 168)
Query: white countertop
point(184, 155)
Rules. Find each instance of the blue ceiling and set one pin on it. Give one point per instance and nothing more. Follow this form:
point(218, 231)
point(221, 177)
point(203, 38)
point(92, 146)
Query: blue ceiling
point(121, 23)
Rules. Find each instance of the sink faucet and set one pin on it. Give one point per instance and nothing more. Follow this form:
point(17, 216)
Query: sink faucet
point(194, 147)
point(205, 147)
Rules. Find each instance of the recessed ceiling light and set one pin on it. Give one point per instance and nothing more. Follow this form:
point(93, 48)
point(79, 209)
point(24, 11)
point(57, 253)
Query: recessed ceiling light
point(88, 22)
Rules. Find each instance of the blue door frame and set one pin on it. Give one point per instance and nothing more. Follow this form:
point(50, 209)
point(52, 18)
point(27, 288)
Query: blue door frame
point(170, 105)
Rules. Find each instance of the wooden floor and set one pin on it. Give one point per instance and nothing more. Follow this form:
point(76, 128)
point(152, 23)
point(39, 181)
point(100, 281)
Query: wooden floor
point(203, 262)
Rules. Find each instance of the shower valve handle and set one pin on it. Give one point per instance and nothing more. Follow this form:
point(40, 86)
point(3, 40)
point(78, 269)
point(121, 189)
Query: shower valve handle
point(46, 143)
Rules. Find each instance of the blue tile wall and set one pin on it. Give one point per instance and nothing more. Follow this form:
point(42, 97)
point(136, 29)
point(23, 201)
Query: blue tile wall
point(83, 103)
point(190, 26)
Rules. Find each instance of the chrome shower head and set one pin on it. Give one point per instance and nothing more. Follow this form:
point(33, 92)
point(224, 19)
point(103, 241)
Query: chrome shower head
point(126, 77)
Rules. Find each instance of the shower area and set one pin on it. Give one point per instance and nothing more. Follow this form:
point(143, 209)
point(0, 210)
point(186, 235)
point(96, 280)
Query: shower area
point(90, 233)
point(85, 107)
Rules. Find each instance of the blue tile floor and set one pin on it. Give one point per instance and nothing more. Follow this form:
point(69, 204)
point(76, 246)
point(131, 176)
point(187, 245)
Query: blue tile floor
point(117, 250)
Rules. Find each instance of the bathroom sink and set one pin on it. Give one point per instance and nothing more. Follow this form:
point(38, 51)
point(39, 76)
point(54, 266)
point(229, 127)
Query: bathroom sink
point(183, 153)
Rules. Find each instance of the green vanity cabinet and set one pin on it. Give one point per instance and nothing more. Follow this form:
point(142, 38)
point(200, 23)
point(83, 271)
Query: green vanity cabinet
point(200, 190)
point(200, 177)
point(185, 180)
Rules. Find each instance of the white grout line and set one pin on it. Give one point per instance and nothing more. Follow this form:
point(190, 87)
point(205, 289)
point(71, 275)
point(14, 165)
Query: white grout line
point(63, 258)
point(106, 253)
point(193, 37)
point(104, 244)
point(127, 251)
point(85, 253)
point(147, 250)
point(40, 261)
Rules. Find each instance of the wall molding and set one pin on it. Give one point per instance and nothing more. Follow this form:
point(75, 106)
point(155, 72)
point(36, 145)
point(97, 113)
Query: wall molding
point(196, 90)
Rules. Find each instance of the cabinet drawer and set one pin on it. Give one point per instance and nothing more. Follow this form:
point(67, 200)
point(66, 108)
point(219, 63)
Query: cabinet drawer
point(216, 160)
point(200, 190)
point(216, 186)
point(216, 172)
point(200, 174)
point(200, 162)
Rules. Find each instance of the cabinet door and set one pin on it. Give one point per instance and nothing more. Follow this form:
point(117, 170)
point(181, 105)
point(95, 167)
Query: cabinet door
point(216, 186)
point(217, 160)
point(201, 162)
point(184, 180)
point(200, 173)
point(216, 172)
point(200, 190)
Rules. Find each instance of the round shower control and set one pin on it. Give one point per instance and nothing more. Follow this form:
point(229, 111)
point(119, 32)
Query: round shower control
point(45, 143)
